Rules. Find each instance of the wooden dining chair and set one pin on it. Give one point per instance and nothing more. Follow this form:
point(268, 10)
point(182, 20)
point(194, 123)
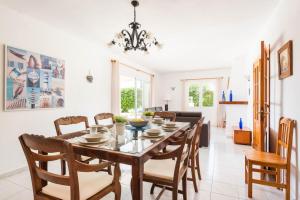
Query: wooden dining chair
point(264, 163)
point(68, 121)
point(83, 182)
point(194, 163)
point(166, 170)
point(103, 116)
point(166, 115)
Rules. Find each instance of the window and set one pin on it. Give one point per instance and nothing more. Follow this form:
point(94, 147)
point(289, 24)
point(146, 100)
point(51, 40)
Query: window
point(200, 95)
point(135, 95)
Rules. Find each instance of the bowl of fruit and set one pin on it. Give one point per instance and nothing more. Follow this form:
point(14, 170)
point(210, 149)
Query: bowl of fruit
point(138, 122)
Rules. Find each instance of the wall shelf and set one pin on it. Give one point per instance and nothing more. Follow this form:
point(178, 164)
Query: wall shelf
point(234, 102)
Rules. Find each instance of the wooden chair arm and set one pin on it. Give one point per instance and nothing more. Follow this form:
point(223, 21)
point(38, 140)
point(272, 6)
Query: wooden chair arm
point(167, 155)
point(83, 167)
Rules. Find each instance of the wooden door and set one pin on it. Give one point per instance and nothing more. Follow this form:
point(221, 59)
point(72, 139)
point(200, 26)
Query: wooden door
point(261, 100)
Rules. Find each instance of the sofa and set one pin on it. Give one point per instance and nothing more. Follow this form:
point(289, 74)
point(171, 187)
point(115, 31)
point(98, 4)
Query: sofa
point(193, 118)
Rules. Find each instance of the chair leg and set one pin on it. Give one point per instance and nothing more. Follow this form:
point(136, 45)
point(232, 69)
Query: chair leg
point(249, 179)
point(63, 167)
point(184, 189)
point(193, 170)
point(109, 170)
point(152, 188)
point(118, 192)
point(198, 167)
point(288, 180)
point(246, 172)
point(175, 192)
point(278, 176)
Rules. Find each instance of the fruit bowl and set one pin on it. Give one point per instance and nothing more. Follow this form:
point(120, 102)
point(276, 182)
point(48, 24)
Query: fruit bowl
point(138, 123)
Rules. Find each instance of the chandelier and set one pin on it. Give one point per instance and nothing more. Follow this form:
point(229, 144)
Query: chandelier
point(133, 39)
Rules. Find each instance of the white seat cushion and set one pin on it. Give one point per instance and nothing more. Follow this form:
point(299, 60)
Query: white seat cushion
point(85, 158)
point(160, 168)
point(174, 147)
point(90, 183)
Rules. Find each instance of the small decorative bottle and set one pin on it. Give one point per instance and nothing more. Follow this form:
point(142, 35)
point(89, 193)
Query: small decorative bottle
point(223, 96)
point(230, 96)
point(241, 123)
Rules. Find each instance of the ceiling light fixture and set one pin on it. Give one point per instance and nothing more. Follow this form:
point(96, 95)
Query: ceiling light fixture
point(133, 40)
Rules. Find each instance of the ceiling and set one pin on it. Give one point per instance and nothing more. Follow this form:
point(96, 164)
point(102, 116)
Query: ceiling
point(196, 34)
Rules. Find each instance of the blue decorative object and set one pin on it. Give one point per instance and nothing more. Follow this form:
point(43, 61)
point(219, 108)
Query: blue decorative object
point(223, 96)
point(230, 96)
point(241, 123)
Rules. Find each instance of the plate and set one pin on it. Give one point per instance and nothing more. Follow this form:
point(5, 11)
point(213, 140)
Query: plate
point(169, 127)
point(83, 141)
point(152, 136)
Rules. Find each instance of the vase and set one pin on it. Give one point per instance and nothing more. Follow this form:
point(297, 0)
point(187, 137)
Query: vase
point(120, 128)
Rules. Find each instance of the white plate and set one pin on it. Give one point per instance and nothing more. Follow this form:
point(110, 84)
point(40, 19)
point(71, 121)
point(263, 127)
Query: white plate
point(102, 140)
point(169, 127)
point(152, 136)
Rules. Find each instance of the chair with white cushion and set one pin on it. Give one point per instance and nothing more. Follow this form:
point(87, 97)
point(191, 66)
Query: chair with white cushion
point(166, 170)
point(194, 163)
point(83, 181)
point(69, 121)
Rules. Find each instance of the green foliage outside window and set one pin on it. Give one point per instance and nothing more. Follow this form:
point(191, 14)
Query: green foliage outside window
point(208, 97)
point(194, 93)
point(128, 99)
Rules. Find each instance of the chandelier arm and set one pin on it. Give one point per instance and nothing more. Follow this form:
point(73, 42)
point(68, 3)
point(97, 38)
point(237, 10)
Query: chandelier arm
point(127, 39)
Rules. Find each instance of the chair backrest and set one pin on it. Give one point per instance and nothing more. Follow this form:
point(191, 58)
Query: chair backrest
point(69, 121)
point(182, 160)
point(36, 149)
point(166, 115)
point(197, 135)
point(102, 116)
point(285, 138)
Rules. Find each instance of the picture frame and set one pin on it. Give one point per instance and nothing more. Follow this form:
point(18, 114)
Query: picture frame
point(32, 81)
point(285, 60)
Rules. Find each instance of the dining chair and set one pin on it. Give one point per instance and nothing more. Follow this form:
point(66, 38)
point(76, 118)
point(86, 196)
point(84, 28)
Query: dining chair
point(83, 182)
point(194, 162)
point(166, 115)
point(68, 121)
point(272, 163)
point(104, 116)
point(166, 170)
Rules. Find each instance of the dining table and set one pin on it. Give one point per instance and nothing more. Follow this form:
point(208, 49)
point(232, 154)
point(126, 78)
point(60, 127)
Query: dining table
point(133, 148)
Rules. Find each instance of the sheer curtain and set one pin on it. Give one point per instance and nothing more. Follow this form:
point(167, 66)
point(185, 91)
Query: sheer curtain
point(183, 95)
point(152, 92)
point(221, 115)
point(115, 87)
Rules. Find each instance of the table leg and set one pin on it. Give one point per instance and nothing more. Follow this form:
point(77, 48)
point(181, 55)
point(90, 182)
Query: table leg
point(137, 180)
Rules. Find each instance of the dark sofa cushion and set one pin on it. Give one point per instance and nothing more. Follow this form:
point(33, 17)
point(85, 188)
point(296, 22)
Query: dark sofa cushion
point(189, 114)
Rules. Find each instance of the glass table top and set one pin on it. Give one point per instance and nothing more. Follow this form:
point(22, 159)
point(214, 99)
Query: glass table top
point(133, 141)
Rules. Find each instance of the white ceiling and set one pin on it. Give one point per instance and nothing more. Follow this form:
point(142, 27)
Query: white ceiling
point(197, 34)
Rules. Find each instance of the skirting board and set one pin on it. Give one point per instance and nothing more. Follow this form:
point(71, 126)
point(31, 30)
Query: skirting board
point(13, 172)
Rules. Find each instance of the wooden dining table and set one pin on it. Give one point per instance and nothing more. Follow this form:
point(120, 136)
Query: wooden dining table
point(127, 149)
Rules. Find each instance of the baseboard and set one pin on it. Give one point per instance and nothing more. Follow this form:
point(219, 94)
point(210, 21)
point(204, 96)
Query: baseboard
point(13, 172)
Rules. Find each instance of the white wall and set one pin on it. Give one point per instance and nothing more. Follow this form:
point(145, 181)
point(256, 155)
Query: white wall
point(285, 95)
point(168, 80)
point(81, 97)
point(240, 88)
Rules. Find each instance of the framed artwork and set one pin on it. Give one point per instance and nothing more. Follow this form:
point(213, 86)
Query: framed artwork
point(33, 81)
point(285, 60)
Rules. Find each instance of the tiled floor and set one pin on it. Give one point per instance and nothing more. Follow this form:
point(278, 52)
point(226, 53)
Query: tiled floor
point(221, 168)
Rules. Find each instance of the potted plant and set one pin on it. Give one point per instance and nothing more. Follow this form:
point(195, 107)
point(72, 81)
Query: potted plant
point(147, 115)
point(120, 124)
